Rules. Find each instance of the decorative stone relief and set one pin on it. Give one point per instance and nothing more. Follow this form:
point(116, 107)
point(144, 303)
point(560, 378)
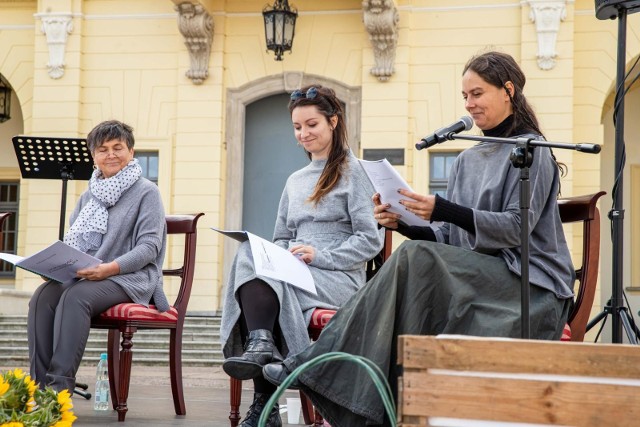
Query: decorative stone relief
point(292, 80)
point(196, 26)
point(547, 15)
point(381, 22)
point(56, 26)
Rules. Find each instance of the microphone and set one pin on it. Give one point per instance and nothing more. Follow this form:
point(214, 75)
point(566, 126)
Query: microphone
point(440, 135)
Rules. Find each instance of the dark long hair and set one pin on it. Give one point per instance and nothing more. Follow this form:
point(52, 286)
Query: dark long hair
point(497, 68)
point(328, 104)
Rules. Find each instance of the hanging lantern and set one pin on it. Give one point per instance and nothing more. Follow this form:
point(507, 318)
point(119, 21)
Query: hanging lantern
point(279, 27)
point(5, 100)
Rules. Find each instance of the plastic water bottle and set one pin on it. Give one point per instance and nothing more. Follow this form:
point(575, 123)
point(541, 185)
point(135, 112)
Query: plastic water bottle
point(101, 402)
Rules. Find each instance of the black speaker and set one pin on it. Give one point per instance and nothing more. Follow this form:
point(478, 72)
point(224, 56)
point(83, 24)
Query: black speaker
point(608, 9)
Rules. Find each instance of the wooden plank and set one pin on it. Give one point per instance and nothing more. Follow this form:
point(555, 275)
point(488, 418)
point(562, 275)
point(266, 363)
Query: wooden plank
point(512, 355)
point(460, 422)
point(515, 398)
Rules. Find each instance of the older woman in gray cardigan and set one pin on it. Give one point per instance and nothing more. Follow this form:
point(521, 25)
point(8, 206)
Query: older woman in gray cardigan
point(119, 220)
point(325, 219)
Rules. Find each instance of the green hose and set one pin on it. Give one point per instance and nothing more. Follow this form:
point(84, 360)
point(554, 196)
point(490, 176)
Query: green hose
point(379, 380)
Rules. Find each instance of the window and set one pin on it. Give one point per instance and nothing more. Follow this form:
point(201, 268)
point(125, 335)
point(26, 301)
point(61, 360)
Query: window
point(439, 167)
point(9, 196)
point(149, 163)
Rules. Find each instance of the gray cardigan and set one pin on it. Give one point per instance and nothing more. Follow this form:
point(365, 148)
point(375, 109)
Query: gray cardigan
point(135, 239)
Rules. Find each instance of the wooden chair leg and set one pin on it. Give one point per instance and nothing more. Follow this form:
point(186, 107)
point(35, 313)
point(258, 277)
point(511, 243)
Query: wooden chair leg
point(235, 387)
point(307, 409)
point(113, 362)
point(175, 368)
point(124, 372)
point(319, 421)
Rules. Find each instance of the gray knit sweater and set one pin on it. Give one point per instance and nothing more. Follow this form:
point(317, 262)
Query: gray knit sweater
point(136, 238)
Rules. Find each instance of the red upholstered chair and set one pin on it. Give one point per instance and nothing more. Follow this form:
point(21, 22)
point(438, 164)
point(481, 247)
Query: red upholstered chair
point(584, 209)
point(123, 320)
point(319, 319)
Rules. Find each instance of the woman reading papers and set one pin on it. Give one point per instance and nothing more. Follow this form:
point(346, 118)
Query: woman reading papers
point(324, 218)
point(120, 220)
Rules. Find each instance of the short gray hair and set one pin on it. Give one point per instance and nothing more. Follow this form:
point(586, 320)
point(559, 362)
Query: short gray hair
point(110, 130)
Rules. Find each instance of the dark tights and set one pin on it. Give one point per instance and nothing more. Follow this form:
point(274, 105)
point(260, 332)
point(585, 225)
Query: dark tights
point(260, 309)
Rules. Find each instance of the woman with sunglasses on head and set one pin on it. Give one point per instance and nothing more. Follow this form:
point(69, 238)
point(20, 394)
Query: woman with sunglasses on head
point(324, 218)
point(460, 277)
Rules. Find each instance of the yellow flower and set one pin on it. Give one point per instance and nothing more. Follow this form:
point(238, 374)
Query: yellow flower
point(28, 405)
point(66, 421)
point(64, 399)
point(18, 373)
point(31, 384)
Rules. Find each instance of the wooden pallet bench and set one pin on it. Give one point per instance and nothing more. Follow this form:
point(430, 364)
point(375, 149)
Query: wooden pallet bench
point(456, 381)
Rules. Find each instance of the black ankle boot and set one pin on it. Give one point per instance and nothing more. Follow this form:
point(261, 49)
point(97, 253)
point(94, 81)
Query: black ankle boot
point(259, 350)
point(255, 410)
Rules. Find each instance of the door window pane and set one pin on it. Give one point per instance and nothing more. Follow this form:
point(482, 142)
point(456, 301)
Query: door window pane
point(149, 163)
point(440, 166)
point(9, 196)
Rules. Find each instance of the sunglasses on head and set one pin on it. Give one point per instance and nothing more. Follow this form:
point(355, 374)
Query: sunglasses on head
point(311, 93)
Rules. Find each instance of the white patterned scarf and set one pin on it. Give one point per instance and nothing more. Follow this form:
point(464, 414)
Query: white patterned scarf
point(86, 231)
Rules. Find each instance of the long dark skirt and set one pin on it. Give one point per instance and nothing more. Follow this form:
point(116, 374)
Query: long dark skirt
point(425, 288)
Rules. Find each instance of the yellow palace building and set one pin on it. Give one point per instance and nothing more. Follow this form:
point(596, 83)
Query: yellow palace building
point(207, 102)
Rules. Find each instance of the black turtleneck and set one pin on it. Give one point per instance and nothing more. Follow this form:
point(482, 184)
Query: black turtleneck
point(506, 130)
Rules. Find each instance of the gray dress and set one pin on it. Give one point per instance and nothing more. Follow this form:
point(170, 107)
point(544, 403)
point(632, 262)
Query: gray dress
point(463, 284)
point(345, 235)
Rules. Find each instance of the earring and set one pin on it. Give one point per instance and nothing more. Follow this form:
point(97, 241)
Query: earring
point(95, 166)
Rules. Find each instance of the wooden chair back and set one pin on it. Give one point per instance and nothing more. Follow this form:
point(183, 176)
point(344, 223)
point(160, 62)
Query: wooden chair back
point(574, 209)
point(511, 380)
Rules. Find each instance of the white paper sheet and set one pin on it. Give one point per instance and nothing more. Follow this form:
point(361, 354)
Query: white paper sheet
point(387, 181)
point(270, 260)
point(58, 261)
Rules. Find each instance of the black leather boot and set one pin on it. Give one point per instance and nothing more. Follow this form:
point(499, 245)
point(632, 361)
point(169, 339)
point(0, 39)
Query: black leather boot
point(259, 350)
point(255, 410)
point(277, 373)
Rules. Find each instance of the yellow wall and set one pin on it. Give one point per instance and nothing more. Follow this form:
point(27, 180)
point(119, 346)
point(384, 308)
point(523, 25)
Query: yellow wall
point(127, 60)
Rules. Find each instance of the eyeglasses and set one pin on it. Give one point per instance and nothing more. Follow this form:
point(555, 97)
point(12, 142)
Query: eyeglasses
point(311, 93)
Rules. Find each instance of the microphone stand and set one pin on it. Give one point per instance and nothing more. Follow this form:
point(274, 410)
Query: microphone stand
point(522, 157)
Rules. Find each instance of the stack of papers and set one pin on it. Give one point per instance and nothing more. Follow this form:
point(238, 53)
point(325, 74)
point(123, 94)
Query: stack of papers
point(58, 262)
point(270, 260)
point(387, 181)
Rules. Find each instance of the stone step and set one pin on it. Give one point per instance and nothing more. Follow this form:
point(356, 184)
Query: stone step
point(9, 344)
point(197, 328)
point(200, 346)
point(145, 360)
point(189, 320)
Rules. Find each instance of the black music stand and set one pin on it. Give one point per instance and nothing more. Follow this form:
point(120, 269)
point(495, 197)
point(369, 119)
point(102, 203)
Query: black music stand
point(42, 157)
